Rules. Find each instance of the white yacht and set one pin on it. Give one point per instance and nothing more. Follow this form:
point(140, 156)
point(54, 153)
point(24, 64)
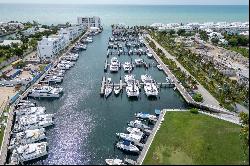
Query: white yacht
point(30, 111)
point(29, 152)
point(27, 137)
point(127, 146)
point(130, 137)
point(151, 89)
point(26, 104)
point(89, 39)
point(129, 77)
point(114, 65)
point(117, 89)
point(114, 162)
point(108, 88)
point(135, 131)
point(145, 116)
point(31, 122)
point(132, 90)
point(159, 67)
point(146, 78)
point(63, 66)
point(45, 92)
point(54, 79)
point(139, 62)
point(138, 124)
point(67, 63)
point(149, 55)
point(127, 66)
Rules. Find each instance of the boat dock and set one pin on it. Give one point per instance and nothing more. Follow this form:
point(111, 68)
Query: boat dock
point(106, 66)
point(122, 85)
point(103, 85)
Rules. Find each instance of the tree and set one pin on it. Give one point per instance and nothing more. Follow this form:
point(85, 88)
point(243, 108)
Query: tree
point(181, 32)
point(233, 42)
point(203, 35)
point(171, 32)
point(214, 40)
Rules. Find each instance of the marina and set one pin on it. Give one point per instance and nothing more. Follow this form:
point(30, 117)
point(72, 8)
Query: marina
point(81, 121)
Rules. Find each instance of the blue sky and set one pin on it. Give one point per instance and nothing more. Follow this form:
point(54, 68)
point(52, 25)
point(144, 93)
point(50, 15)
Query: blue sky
point(156, 2)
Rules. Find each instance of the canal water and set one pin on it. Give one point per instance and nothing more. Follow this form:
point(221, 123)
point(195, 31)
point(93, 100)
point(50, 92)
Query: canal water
point(86, 123)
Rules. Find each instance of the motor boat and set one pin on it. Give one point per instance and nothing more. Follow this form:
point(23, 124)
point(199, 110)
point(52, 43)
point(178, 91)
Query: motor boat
point(31, 122)
point(114, 162)
point(29, 152)
point(127, 146)
point(129, 77)
point(135, 131)
point(159, 67)
point(132, 90)
point(151, 89)
point(25, 104)
point(54, 79)
point(117, 89)
point(108, 88)
point(139, 62)
point(27, 137)
point(46, 92)
point(149, 55)
point(138, 124)
point(145, 116)
point(127, 66)
point(146, 78)
point(30, 111)
point(130, 137)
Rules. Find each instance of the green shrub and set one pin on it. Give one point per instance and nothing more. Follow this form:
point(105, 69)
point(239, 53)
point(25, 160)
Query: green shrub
point(194, 111)
point(197, 97)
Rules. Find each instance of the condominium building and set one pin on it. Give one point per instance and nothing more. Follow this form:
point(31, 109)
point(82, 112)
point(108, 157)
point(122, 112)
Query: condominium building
point(88, 22)
point(47, 48)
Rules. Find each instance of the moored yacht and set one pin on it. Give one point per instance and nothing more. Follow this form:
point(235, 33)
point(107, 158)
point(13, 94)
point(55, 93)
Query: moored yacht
point(151, 89)
point(108, 88)
point(45, 92)
point(145, 78)
point(139, 62)
point(130, 137)
point(31, 122)
point(138, 124)
point(127, 66)
point(27, 137)
point(30, 111)
point(129, 77)
point(127, 146)
point(144, 115)
point(132, 90)
point(29, 152)
point(114, 162)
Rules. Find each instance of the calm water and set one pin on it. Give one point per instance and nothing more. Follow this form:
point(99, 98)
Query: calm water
point(131, 15)
point(85, 123)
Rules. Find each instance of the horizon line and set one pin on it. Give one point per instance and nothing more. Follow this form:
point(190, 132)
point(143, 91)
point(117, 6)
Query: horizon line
point(124, 4)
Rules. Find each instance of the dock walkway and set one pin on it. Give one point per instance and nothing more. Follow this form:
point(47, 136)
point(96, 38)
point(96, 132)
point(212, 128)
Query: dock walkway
point(150, 139)
point(182, 90)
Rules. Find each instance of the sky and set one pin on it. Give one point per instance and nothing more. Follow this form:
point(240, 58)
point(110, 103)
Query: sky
point(138, 2)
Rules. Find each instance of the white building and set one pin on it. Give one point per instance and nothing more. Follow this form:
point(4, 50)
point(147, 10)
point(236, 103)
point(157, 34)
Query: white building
point(9, 42)
point(88, 22)
point(47, 48)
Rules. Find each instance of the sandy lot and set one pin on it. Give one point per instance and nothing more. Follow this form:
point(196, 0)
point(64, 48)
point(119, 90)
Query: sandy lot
point(5, 93)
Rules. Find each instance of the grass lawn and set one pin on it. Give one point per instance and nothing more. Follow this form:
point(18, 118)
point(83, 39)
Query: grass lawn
point(186, 138)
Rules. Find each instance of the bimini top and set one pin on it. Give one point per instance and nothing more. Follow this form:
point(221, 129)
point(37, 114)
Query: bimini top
point(157, 112)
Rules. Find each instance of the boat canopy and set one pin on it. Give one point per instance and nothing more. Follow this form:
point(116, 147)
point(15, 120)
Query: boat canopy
point(157, 112)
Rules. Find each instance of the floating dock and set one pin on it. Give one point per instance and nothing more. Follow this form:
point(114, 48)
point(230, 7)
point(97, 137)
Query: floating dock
point(103, 86)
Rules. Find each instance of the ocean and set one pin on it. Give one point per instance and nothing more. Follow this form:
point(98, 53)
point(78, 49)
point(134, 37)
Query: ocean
point(128, 14)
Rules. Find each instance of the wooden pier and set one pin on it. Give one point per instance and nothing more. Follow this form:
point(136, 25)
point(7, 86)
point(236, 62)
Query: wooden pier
point(103, 86)
point(106, 66)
